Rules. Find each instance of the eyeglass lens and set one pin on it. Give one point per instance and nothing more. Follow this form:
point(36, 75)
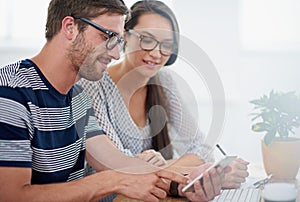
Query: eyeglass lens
point(113, 41)
point(113, 38)
point(149, 43)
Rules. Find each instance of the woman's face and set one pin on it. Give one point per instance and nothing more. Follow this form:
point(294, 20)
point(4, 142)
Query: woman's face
point(148, 62)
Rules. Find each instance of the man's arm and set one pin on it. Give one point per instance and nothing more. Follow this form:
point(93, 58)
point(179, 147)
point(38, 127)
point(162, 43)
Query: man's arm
point(185, 164)
point(15, 186)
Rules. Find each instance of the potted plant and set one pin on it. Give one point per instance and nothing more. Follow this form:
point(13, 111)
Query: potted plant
point(277, 115)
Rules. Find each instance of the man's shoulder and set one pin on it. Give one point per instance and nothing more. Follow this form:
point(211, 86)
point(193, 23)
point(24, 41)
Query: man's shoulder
point(21, 74)
point(15, 66)
point(8, 71)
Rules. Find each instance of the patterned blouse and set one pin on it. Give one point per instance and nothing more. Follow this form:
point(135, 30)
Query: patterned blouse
point(114, 118)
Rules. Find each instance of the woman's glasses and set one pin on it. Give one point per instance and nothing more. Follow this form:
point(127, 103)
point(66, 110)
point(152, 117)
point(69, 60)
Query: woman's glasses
point(150, 43)
point(113, 38)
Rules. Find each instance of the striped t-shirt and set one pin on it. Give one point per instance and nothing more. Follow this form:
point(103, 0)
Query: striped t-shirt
point(41, 128)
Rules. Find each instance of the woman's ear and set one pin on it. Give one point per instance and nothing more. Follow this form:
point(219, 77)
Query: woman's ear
point(68, 27)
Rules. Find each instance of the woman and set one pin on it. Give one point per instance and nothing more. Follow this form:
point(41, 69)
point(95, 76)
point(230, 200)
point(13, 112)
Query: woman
point(138, 105)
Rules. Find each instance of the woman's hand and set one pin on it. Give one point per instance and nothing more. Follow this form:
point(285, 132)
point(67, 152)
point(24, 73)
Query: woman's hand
point(153, 157)
point(211, 187)
point(237, 175)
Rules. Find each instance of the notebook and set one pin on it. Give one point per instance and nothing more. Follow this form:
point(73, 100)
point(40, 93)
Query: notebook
point(238, 195)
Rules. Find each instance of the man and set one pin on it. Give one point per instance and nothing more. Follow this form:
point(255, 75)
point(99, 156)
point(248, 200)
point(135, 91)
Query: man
point(47, 125)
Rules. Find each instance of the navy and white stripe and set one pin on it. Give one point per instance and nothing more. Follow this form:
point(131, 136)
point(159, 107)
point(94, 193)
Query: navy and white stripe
point(41, 128)
point(8, 72)
point(19, 150)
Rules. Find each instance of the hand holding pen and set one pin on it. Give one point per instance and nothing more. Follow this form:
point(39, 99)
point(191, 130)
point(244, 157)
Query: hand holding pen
point(238, 173)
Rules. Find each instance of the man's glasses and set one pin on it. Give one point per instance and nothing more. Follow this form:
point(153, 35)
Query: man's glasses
point(150, 43)
point(113, 38)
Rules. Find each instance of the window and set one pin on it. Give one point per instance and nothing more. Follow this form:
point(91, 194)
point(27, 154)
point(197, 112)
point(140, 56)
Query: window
point(270, 25)
point(22, 23)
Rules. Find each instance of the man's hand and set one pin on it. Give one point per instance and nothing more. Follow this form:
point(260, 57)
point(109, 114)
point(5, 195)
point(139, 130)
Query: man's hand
point(237, 175)
point(148, 187)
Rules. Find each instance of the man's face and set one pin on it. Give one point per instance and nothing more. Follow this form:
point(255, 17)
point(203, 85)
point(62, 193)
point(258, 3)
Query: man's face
point(89, 54)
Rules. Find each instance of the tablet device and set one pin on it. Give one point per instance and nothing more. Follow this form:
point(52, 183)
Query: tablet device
point(223, 163)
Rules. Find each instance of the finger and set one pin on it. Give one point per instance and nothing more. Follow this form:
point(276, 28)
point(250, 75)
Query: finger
point(149, 151)
point(221, 173)
point(163, 184)
point(236, 185)
point(216, 181)
point(200, 193)
point(154, 160)
point(242, 173)
point(238, 173)
point(158, 160)
point(239, 180)
point(159, 193)
point(241, 166)
point(141, 156)
point(242, 161)
point(232, 185)
point(234, 179)
point(172, 176)
point(192, 196)
point(149, 156)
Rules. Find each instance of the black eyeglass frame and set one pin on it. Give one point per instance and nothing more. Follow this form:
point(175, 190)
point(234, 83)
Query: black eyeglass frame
point(140, 36)
point(110, 34)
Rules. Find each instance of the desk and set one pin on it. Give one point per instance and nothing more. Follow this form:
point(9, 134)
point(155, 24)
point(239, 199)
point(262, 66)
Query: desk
point(121, 198)
point(256, 171)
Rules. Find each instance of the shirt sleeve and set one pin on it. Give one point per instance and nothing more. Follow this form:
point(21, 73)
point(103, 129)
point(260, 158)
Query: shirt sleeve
point(95, 92)
point(87, 124)
point(185, 133)
point(15, 129)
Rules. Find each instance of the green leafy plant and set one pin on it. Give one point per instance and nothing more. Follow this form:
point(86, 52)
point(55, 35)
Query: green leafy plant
point(279, 114)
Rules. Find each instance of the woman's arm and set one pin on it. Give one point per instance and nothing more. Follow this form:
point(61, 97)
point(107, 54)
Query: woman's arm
point(95, 91)
point(184, 131)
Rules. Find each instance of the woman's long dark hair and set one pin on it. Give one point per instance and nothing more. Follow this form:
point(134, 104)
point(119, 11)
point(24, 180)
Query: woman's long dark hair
point(155, 95)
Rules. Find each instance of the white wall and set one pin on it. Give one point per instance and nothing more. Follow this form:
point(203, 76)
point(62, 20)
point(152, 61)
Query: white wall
point(221, 29)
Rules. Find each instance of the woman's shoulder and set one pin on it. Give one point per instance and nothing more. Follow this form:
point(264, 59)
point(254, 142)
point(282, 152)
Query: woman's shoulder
point(97, 89)
point(166, 77)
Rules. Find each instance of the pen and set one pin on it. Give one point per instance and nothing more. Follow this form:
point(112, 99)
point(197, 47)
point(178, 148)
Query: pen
point(221, 150)
point(262, 182)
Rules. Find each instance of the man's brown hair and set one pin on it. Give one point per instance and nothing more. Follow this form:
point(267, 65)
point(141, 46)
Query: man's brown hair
point(59, 9)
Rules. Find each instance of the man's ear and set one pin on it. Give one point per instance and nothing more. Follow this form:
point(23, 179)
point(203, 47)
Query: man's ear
point(125, 34)
point(68, 27)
